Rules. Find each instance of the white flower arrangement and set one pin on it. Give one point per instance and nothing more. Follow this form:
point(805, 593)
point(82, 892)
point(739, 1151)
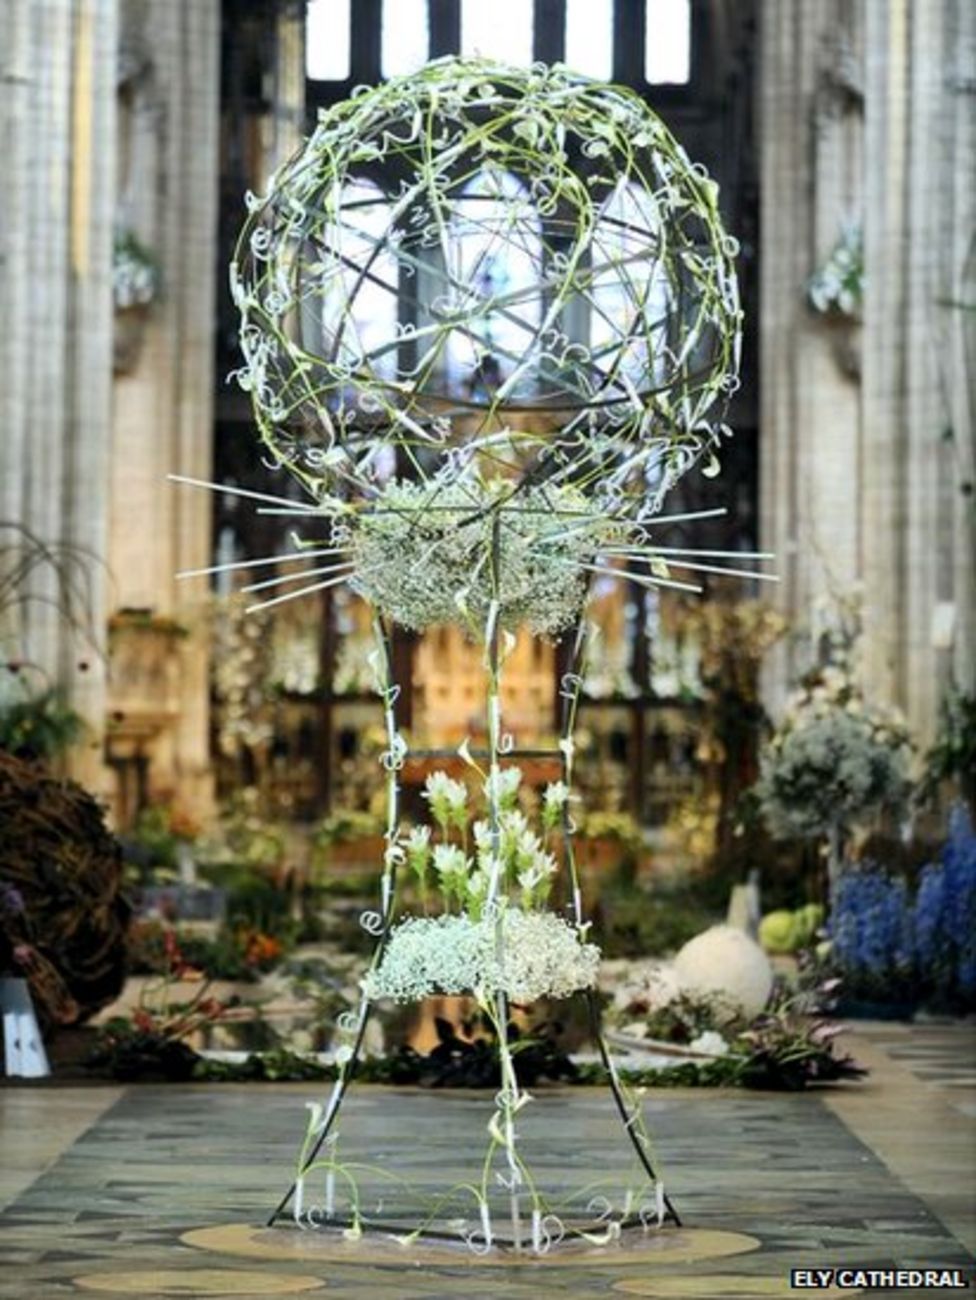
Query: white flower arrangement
point(421, 554)
point(135, 275)
point(710, 1043)
point(448, 800)
point(831, 768)
point(838, 285)
point(543, 956)
point(834, 759)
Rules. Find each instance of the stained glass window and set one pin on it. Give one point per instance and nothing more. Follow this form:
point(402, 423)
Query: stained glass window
point(359, 312)
point(624, 240)
point(493, 265)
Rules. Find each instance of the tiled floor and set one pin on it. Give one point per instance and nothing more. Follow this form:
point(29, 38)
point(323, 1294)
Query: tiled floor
point(162, 1191)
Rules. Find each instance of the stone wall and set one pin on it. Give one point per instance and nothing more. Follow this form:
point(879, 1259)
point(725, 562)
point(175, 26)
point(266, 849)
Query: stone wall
point(109, 120)
point(57, 111)
point(866, 116)
point(167, 147)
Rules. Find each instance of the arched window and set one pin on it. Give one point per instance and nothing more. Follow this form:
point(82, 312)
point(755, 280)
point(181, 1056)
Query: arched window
point(667, 43)
point(358, 295)
point(328, 40)
point(623, 299)
point(498, 255)
point(405, 37)
point(501, 29)
point(647, 45)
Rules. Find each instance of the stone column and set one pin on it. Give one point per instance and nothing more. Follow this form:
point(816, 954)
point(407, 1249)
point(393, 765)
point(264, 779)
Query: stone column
point(164, 406)
point(810, 131)
point(89, 349)
point(58, 62)
point(866, 434)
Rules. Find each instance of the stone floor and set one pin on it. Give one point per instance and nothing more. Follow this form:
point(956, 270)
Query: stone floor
point(162, 1191)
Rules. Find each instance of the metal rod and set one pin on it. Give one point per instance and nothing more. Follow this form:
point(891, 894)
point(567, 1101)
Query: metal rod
point(596, 1027)
point(366, 1004)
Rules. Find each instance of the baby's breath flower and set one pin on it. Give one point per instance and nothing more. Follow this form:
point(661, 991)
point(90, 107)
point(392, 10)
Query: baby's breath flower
point(542, 956)
point(420, 566)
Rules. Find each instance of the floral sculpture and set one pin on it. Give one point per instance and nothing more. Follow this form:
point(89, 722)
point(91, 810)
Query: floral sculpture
point(563, 345)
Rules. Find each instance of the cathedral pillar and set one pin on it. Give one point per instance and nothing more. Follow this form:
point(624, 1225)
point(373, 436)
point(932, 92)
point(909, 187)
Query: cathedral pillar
point(169, 78)
point(58, 121)
point(866, 435)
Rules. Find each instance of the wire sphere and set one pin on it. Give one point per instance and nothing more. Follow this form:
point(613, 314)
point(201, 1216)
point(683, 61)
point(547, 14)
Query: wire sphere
point(490, 272)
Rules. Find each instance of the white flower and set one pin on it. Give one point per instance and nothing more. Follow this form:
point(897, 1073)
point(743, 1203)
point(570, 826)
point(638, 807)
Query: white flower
point(448, 799)
point(527, 847)
point(418, 845)
point(710, 1042)
point(541, 956)
point(513, 825)
point(554, 799)
point(556, 792)
point(534, 880)
point(449, 861)
point(482, 837)
point(503, 784)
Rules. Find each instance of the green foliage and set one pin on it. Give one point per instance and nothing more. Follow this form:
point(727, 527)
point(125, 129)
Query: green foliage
point(128, 1054)
point(361, 885)
point(953, 756)
point(344, 826)
point(260, 904)
point(837, 286)
point(829, 770)
point(722, 1073)
point(688, 1016)
point(221, 957)
point(150, 1043)
point(135, 271)
point(255, 901)
point(152, 835)
point(39, 726)
point(788, 1046)
point(618, 826)
point(277, 1066)
point(245, 836)
point(787, 931)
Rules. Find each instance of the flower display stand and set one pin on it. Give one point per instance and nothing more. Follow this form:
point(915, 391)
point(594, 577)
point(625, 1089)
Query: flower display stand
point(489, 317)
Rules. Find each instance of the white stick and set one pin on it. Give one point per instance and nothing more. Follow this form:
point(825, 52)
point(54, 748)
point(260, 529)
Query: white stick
point(268, 559)
point(651, 549)
point(294, 595)
point(229, 491)
point(283, 578)
point(644, 581)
